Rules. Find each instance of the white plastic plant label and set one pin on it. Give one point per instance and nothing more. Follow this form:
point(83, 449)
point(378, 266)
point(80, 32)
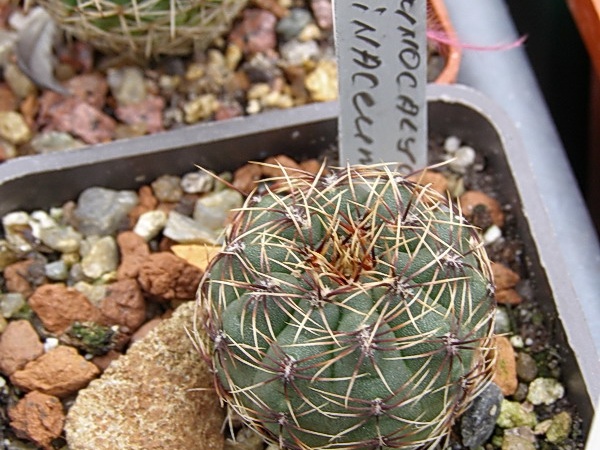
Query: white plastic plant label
point(382, 62)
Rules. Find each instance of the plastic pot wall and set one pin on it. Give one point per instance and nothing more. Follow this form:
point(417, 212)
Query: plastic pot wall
point(49, 180)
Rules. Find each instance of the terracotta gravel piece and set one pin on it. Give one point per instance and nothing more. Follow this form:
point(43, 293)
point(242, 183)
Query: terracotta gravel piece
point(60, 372)
point(19, 344)
point(38, 417)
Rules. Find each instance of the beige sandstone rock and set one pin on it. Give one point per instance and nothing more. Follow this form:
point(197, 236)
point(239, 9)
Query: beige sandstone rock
point(157, 396)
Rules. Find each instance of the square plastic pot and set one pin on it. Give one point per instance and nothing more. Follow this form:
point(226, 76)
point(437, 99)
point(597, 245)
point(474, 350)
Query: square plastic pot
point(43, 181)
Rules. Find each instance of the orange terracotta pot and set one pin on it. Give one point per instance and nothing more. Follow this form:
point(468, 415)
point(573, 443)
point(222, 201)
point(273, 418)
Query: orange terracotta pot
point(452, 54)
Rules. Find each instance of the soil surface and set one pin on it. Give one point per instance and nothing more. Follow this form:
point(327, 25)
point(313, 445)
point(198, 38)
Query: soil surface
point(147, 280)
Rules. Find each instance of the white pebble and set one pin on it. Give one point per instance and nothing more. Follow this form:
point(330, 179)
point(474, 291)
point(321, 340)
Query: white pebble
point(517, 341)
point(150, 224)
point(44, 219)
point(197, 182)
point(50, 344)
point(545, 391)
point(451, 144)
point(492, 234)
point(15, 218)
point(462, 159)
point(2, 382)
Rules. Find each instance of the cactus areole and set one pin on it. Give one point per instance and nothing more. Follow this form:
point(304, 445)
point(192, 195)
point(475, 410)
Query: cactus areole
point(349, 310)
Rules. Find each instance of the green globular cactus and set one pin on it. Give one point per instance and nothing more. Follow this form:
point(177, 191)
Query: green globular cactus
point(348, 310)
point(145, 28)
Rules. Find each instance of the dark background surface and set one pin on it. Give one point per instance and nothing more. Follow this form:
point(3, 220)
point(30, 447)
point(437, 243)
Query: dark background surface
point(562, 67)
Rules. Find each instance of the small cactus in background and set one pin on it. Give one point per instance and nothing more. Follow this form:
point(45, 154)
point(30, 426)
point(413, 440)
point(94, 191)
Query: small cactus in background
point(145, 27)
point(348, 310)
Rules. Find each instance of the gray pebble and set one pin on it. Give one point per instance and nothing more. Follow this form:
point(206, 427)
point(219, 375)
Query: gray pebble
point(102, 258)
point(185, 230)
point(520, 394)
point(10, 303)
point(167, 188)
point(502, 322)
point(296, 52)
point(76, 274)
point(197, 182)
point(526, 367)
point(212, 209)
point(57, 270)
point(100, 211)
point(478, 422)
point(292, 25)
point(61, 239)
point(127, 85)
point(54, 141)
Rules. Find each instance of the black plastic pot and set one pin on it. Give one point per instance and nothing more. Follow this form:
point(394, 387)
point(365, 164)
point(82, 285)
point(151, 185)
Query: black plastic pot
point(49, 180)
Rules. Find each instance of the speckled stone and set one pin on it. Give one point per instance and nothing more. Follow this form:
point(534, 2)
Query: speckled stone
point(152, 398)
point(545, 391)
point(515, 414)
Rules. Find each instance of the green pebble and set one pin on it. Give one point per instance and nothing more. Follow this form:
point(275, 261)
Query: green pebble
point(513, 414)
point(560, 428)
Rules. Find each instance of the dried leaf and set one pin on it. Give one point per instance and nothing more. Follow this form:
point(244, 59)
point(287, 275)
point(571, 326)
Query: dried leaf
point(34, 47)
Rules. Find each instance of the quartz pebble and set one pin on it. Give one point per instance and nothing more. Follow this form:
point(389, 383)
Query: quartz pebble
point(101, 259)
point(451, 144)
point(127, 85)
point(54, 141)
point(11, 303)
point(56, 270)
point(213, 209)
point(150, 224)
point(322, 82)
point(13, 127)
point(197, 182)
point(167, 188)
point(100, 211)
point(185, 230)
point(545, 391)
point(462, 159)
point(62, 239)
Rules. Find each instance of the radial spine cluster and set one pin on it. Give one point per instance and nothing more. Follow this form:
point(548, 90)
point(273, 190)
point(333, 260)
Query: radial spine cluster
point(352, 309)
